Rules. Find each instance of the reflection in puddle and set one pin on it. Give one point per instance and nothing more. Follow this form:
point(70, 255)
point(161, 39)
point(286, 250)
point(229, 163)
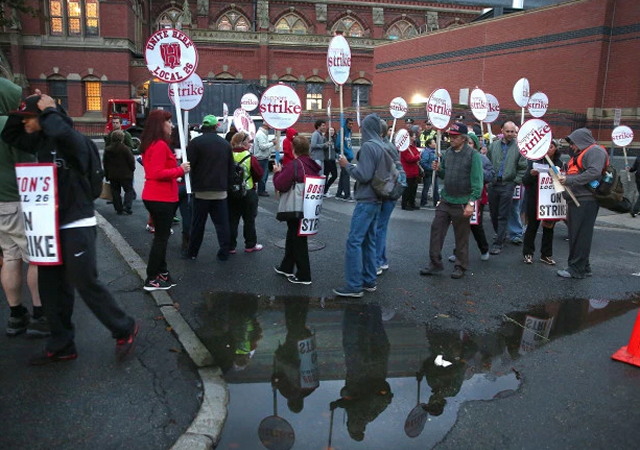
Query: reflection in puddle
point(307, 375)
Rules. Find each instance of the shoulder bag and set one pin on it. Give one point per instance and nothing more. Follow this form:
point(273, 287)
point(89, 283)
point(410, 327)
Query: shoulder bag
point(291, 202)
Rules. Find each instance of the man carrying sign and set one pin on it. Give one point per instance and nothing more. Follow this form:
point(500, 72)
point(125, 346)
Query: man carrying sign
point(40, 127)
point(585, 166)
point(461, 168)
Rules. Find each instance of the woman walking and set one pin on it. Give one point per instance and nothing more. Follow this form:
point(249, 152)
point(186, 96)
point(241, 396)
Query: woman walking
point(410, 159)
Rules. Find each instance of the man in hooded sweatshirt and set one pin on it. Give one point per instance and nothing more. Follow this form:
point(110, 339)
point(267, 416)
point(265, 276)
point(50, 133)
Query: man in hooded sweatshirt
point(360, 254)
point(41, 128)
point(585, 166)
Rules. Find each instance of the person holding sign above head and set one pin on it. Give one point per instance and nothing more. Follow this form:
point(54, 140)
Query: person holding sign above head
point(510, 166)
point(410, 159)
point(42, 128)
point(344, 182)
point(295, 263)
point(585, 166)
point(461, 168)
point(530, 181)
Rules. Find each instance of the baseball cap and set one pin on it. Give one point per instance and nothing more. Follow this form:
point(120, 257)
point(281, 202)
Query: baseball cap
point(28, 107)
point(458, 128)
point(210, 121)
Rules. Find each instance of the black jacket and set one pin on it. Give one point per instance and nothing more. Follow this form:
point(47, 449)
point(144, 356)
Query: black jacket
point(59, 142)
point(211, 162)
point(118, 162)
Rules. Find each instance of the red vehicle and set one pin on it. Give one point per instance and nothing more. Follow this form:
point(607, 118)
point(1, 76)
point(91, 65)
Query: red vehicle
point(131, 113)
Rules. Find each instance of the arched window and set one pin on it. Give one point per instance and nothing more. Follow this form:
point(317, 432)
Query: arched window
point(74, 18)
point(349, 27)
point(171, 18)
point(233, 21)
point(92, 94)
point(291, 24)
point(401, 30)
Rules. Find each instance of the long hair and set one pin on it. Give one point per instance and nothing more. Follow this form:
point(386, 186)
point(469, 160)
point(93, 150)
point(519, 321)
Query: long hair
point(154, 129)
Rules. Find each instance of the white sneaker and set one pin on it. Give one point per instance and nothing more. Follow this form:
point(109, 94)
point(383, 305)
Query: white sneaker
point(484, 256)
point(328, 195)
point(452, 258)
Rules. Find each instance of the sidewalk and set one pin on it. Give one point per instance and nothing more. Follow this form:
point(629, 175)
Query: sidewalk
point(145, 402)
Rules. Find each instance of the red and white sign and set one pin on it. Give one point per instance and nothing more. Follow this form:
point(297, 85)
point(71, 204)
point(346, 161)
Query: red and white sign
point(439, 108)
point(538, 104)
point(493, 109)
point(243, 122)
point(521, 92)
point(551, 204)
point(534, 139)
point(190, 91)
point(622, 136)
point(402, 139)
point(311, 205)
point(339, 60)
point(398, 108)
point(38, 189)
point(280, 107)
point(249, 102)
point(170, 55)
point(479, 104)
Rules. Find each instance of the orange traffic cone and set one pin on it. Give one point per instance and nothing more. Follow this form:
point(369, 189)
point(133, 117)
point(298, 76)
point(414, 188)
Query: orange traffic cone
point(631, 353)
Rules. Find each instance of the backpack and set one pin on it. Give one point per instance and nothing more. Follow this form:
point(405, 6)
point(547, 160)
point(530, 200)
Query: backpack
point(237, 184)
point(95, 174)
point(386, 182)
point(609, 190)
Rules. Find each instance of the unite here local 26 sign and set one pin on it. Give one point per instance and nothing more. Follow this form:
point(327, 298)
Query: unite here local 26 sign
point(171, 55)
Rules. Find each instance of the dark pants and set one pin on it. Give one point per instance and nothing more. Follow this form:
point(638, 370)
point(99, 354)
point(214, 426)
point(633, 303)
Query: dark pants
point(447, 214)
point(78, 271)
point(331, 172)
point(529, 246)
point(219, 213)
point(185, 204)
point(580, 221)
point(500, 204)
point(636, 205)
point(296, 253)
point(247, 209)
point(409, 194)
point(262, 183)
point(426, 187)
point(162, 214)
point(117, 186)
point(478, 232)
point(344, 184)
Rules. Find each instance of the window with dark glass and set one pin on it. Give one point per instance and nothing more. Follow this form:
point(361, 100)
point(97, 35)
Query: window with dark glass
point(363, 90)
point(58, 91)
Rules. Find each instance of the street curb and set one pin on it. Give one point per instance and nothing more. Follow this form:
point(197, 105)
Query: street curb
point(206, 428)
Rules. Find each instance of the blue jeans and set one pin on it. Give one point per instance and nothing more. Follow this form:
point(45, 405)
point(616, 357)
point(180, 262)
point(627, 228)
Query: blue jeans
point(360, 253)
point(514, 224)
point(386, 208)
point(427, 187)
point(262, 184)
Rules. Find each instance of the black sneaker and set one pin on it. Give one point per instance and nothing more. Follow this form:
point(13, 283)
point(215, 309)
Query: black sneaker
point(166, 277)
point(370, 287)
point(157, 284)
point(296, 280)
point(66, 354)
point(277, 270)
point(38, 328)
point(125, 346)
point(18, 325)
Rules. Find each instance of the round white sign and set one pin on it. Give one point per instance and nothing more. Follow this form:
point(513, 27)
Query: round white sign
point(190, 91)
point(243, 122)
point(439, 108)
point(402, 139)
point(275, 433)
point(398, 107)
point(534, 139)
point(538, 104)
point(170, 55)
point(493, 109)
point(622, 136)
point(339, 60)
point(479, 104)
point(280, 107)
point(521, 92)
point(249, 102)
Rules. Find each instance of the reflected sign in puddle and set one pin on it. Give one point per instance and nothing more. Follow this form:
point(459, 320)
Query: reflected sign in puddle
point(309, 375)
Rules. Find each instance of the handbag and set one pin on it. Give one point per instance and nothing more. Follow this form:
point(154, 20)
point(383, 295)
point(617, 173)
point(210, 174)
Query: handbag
point(291, 202)
point(106, 193)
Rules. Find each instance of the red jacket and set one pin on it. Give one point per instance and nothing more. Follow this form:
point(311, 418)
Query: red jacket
point(287, 146)
point(161, 171)
point(410, 159)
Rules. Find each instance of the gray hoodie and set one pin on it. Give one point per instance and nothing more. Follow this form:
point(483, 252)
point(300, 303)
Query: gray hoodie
point(368, 158)
point(593, 163)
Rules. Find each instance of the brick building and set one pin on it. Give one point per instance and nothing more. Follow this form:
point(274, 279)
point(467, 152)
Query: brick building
point(581, 54)
point(84, 52)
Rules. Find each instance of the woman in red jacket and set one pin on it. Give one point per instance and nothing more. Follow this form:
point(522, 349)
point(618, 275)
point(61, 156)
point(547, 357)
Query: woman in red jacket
point(410, 159)
point(160, 193)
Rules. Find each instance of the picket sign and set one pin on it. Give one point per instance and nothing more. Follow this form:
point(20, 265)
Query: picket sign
point(439, 108)
point(339, 67)
point(622, 136)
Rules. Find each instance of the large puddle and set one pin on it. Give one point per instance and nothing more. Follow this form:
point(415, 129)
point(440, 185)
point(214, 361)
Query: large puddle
point(306, 375)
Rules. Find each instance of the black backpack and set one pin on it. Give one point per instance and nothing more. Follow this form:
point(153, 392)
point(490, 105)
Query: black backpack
point(95, 174)
point(237, 188)
point(386, 182)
